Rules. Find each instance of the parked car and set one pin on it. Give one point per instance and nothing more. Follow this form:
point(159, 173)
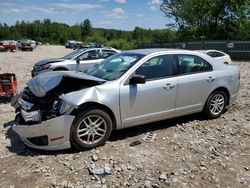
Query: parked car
point(8, 45)
point(2, 49)
point(73, 44)
point(87, 58)
point(95, 45)
point(27, 45)
point(62, 109)
point(218, 55)
point(68, 43)
point(77, 45)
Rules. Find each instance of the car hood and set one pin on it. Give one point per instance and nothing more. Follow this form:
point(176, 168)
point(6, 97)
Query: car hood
point(43, 83)
point(47, 61)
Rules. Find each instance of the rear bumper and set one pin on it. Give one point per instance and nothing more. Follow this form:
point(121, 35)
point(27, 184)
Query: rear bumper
point(233, 98)
point(56, 130)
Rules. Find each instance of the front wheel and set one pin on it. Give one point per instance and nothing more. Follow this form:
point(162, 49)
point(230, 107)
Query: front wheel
point(216, 104)
point(90, 129)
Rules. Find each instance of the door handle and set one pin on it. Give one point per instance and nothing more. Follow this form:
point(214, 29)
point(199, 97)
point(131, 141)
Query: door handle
point(210, 79)
point(168, 86)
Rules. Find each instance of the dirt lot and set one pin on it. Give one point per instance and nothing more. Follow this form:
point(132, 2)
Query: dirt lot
point(186, 152)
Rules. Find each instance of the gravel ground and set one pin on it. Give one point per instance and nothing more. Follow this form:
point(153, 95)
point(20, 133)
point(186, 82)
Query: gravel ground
point(186, 152)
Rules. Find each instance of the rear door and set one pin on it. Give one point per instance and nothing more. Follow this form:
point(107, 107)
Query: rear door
point(154, 100)
point(195, 82)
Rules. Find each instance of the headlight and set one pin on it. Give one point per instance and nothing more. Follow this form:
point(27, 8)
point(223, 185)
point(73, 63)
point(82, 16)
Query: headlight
point(46, 66)
point(66, 108)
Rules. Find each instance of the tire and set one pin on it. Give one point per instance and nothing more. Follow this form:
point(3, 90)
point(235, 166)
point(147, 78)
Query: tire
point(90, 129)
point(216, 104)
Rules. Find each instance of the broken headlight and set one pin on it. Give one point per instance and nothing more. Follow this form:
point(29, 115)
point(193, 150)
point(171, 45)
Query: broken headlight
point(34, 116)
point(66, 108)
point(24, 104)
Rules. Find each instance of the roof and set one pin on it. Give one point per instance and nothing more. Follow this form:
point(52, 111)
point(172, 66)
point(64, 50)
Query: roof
point(211, 50)
point(148, 51)
point(101, 48)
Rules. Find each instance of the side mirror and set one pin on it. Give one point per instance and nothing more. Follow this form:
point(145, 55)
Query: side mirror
point(78, 59)
point(137, 79)
point(78, 64)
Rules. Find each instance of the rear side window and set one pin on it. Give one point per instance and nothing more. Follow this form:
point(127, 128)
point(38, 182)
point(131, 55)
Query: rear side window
point(192, 64)
point(156, 67)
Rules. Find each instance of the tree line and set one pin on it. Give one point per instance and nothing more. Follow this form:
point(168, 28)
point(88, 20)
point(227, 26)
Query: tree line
point(50, 32)
point(192, 20)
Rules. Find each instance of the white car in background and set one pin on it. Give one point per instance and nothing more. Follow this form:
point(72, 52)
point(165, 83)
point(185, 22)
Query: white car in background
point(218, 55)
point(87, 57)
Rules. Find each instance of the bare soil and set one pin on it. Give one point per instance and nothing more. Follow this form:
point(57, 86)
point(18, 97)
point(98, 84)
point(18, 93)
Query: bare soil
point(186, 152)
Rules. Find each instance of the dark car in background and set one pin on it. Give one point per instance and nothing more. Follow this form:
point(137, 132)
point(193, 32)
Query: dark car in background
point(27, 45)
point(73, 44)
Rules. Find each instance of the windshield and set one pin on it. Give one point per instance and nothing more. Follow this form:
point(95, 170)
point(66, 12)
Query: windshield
point(115, 66)
point(73, 54)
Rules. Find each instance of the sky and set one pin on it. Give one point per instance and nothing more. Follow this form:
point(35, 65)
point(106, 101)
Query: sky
point(115, 14)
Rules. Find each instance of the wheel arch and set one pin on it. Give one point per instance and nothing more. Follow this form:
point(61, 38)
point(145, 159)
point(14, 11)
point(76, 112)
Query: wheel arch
point(94, 105)
point(226, 92)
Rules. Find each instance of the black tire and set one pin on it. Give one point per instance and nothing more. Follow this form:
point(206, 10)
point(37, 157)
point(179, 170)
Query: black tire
point(81, 132)
point(216, 104)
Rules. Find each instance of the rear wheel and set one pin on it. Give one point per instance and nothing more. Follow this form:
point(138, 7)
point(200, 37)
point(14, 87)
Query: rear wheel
point(91, 129)
point(216, 104)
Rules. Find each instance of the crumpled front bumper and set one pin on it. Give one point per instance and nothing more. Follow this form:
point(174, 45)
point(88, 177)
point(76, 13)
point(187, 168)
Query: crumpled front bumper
point(56, 130)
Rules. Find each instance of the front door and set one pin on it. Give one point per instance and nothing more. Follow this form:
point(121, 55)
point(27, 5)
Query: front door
point(154, 100)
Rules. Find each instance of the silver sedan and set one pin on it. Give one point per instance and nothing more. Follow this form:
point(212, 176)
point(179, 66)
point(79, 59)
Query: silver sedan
point(86, 57)
point(62, 109)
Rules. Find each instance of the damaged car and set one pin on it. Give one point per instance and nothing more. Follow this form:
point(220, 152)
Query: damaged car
point(58, 110)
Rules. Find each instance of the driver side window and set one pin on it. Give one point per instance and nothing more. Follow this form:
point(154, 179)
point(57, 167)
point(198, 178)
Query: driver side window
point(156, 67)
point(89, 55)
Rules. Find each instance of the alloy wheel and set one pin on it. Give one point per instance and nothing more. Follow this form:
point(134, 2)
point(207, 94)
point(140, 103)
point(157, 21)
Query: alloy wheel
point(217, 104)
point(91, 129)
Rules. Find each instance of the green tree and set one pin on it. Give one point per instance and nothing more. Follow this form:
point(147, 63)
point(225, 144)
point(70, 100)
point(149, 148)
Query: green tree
point(210, 18)
point(86, 29)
